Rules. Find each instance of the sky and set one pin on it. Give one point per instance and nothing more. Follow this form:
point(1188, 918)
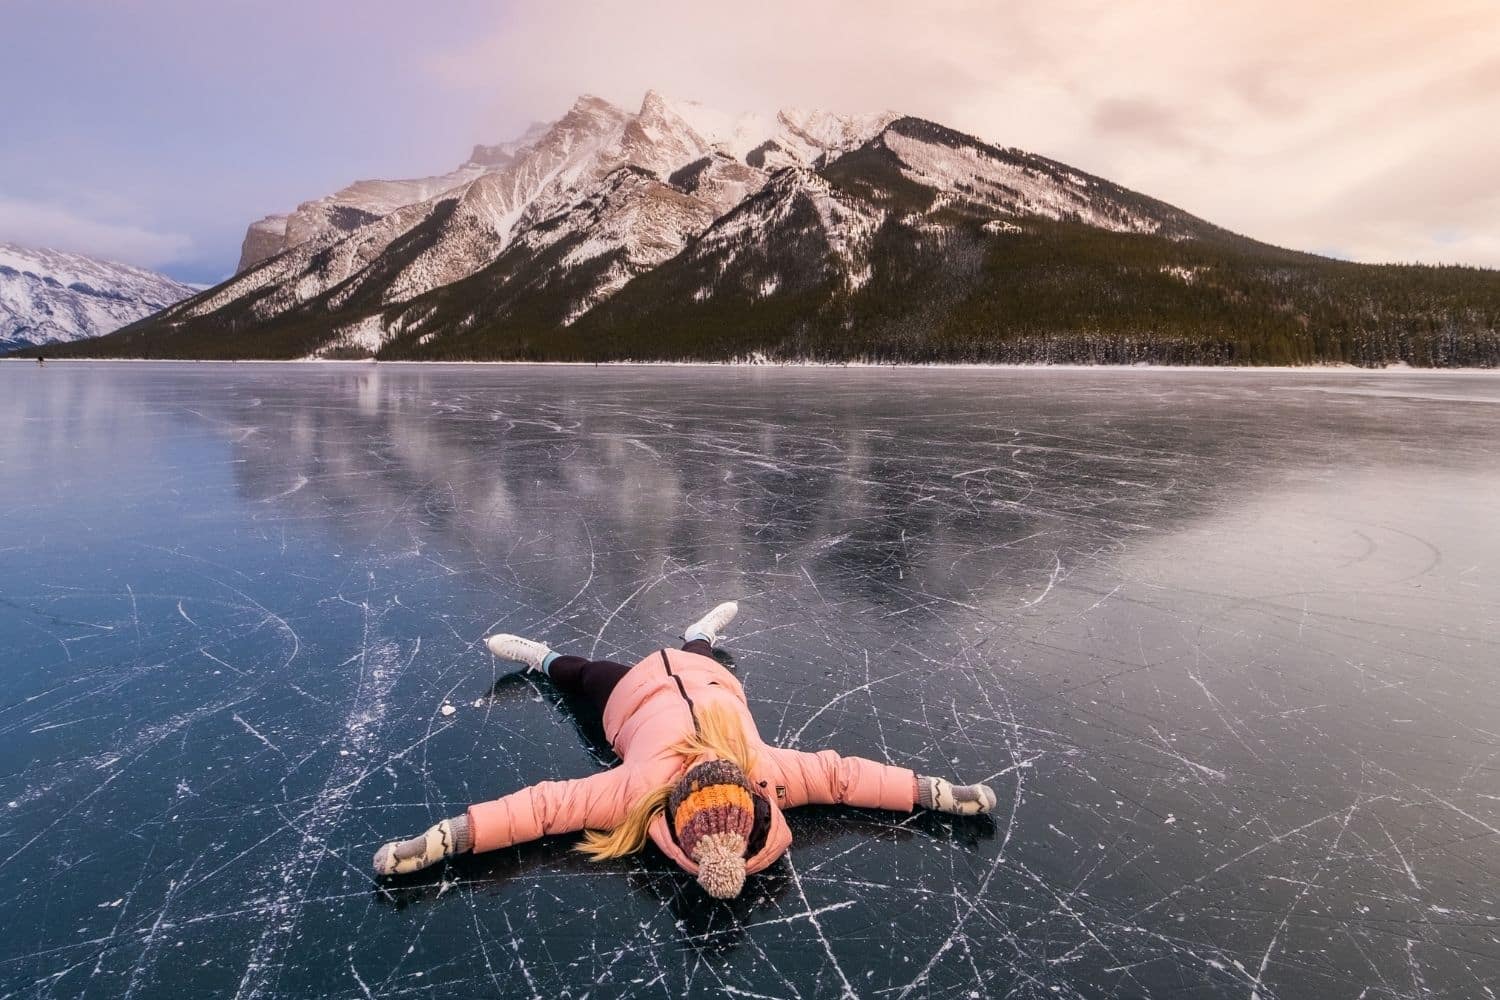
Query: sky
point(154, 131)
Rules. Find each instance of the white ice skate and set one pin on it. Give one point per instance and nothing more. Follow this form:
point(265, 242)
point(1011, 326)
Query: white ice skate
point(710, 625)
point(518, 650)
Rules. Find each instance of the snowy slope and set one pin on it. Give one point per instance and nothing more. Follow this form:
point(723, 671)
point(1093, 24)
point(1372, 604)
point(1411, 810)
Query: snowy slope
point(546, 171)
point(343, 211)
point(965, 171)
point(507, 187)
point(796, 201)
point(554, 272)
point(789, 232)
point(537, 233)
point(719, 179)
point(50, 296)
point(426, 243)
point(808, 135)
point(822, 135)
point(547, 157)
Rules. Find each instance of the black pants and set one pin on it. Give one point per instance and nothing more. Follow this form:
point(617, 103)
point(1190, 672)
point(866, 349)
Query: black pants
point(594, 680)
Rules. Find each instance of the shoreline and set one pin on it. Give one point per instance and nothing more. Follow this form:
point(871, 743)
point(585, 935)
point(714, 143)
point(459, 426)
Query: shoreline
point(1321, 369)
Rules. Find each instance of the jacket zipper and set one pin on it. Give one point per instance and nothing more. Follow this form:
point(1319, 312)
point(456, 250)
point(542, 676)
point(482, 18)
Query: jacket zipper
point(682, 691)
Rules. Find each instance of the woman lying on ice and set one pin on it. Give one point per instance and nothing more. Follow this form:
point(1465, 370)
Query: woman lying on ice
point(696, 777)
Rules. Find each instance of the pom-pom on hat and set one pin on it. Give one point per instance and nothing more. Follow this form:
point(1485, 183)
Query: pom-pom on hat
point(712, 812)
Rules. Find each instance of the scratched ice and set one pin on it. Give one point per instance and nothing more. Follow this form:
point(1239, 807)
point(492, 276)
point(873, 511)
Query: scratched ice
point(1224, 643)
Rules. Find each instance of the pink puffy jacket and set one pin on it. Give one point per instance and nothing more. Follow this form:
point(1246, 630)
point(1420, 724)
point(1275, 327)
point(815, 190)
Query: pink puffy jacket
point(650, 710)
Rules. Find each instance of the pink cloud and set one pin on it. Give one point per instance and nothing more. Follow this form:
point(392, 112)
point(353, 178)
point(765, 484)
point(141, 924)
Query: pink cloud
point(1294, 122)
point(47, 225)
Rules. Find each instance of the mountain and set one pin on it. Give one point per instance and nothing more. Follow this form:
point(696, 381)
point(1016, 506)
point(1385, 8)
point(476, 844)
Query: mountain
point(678, 232)
point(50, 296)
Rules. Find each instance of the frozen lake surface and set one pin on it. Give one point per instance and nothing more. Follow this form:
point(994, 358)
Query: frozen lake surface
point(1225, 644)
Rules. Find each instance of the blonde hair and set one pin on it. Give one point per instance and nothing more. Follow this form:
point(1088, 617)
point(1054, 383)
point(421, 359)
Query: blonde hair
point(719, 736)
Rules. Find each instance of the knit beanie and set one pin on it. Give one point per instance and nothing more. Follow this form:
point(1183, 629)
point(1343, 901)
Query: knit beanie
point(712, 813)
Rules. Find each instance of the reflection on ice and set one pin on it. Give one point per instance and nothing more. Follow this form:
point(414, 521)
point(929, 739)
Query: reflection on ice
point(1224, 645)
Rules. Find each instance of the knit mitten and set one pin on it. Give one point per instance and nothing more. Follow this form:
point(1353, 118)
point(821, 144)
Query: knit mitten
point(445, 839)
point(961, 800)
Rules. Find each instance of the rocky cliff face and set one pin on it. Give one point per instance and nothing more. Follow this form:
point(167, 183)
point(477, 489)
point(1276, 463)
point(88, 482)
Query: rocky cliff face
point(263, 239)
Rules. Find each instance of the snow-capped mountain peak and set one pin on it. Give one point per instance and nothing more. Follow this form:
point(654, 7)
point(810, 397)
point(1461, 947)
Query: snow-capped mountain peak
point(734, 134)
point(817, 134)
point(573, 211)
point(504, 153)
point(671, 229)
point(52, 296)
point(552, 164)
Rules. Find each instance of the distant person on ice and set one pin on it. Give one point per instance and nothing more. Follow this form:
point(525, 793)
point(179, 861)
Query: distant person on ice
point(696, 777)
